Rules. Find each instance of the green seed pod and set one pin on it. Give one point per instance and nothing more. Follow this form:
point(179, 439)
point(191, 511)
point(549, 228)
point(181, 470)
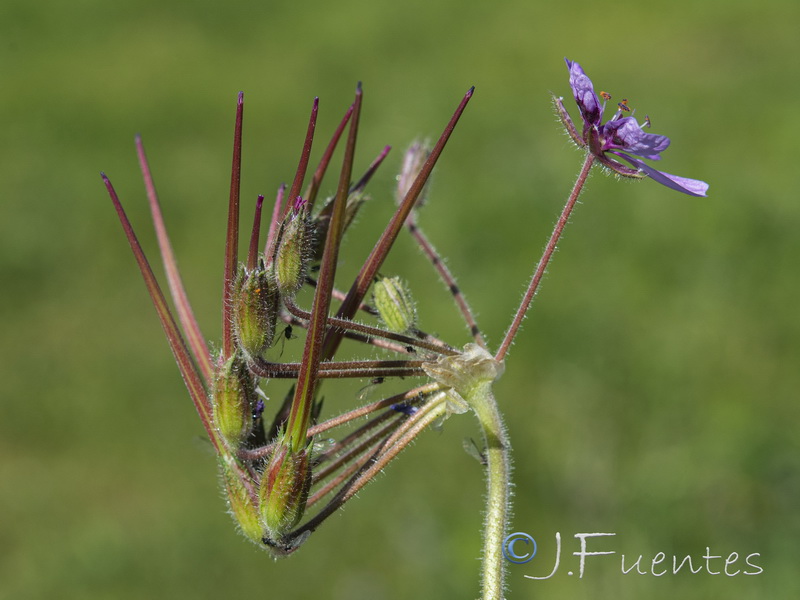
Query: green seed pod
point(394, 304)
point(255, 312)
point(284, 490)
point(294, 251)
point(233, 394)
point(241, 504)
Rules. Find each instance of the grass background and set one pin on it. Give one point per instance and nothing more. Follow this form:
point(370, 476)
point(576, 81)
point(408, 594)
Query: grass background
point(652, 393)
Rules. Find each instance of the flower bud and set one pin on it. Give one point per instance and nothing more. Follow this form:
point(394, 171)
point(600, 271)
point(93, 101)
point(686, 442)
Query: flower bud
point(284, 490)
point(255, 311)
point(322, 221)
point(233, 393)
point(354, 202)
point(243, 507)
point(294, 250)
point(394, 304)
point(413, 161)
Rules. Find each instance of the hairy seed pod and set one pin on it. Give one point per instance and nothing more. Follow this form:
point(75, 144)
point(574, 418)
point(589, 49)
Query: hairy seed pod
point(394, 304)
point(293, 251)
point(241, 504)
point(255, 311)
point(233, 395)
point(284, 490)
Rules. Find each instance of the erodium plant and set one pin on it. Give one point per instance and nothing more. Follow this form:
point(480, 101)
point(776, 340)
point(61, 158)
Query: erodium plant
point(280, 485)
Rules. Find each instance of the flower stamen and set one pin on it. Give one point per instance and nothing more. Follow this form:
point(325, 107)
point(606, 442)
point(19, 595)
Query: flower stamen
point(606, 99)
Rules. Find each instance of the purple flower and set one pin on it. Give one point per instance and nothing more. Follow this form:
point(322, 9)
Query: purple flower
point(619, 137)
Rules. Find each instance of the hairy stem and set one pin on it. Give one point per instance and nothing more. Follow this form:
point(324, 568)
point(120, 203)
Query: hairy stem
point(431, 412)
point(434, 346)
point(498, 482)
point(448, 279)
point(471, 375)
point(545, 260)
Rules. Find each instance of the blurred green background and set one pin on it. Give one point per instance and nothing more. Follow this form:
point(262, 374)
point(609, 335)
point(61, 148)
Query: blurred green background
point(652, 393)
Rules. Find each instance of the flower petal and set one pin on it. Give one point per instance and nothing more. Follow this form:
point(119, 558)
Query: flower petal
point(692, 187)
point(583, 90)
point(626, 134)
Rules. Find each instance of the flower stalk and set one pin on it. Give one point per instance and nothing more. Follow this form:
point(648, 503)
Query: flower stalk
point(541, 266)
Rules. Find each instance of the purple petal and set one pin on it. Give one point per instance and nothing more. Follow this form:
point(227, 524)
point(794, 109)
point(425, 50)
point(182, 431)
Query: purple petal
point(693, 187)
point(626, 134)
point(583, 91)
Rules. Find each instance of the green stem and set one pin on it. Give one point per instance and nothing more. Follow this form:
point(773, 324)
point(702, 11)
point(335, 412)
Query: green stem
point(471, 375)
point(498, 483)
